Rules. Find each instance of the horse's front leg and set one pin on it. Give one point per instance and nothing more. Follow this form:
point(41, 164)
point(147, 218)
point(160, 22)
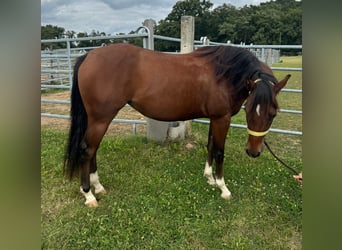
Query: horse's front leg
point(219, 131)
point(208, 169)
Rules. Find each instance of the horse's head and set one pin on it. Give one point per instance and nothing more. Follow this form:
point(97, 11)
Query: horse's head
point(261, 108)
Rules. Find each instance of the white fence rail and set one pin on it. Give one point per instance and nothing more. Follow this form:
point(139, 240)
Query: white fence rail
point(56, 69)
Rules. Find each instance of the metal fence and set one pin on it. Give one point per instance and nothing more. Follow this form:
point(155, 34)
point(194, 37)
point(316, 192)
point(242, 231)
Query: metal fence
point(56, 68)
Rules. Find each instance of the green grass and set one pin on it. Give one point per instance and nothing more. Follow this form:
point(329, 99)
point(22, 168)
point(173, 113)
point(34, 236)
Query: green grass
point(158, 198)
point(289, 61)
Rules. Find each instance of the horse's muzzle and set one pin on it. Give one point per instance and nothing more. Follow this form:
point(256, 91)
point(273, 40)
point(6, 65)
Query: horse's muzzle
point(253, 154)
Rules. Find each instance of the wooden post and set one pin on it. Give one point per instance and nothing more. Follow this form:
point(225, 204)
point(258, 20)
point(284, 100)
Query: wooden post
point(158, 130)
point(150, 23)
point(187, 46)
point(187, 34)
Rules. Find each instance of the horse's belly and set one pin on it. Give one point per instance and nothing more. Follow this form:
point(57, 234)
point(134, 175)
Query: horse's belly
point(168, 112)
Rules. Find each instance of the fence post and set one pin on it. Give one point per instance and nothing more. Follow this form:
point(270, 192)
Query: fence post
point(150, 23)
point(69, 63)
point(187, 34)
point(183, 128)
point(156, 130)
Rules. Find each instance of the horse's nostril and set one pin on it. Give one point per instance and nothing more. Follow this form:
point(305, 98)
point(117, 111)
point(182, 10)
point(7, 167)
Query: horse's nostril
point(247, 152)
point(254, 155)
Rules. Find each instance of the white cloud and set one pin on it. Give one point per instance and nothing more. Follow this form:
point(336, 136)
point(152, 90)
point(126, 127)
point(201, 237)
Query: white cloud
point(111, 16)
point(103, 15)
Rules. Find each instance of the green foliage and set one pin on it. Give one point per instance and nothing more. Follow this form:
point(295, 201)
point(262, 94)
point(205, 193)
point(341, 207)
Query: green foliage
point(52, 32)
point(170, 26)
point(274, 22)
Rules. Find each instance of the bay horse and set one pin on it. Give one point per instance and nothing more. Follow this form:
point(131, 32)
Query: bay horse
point(211, 82)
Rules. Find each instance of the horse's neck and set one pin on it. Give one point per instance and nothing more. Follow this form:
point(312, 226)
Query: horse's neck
point(237, 100)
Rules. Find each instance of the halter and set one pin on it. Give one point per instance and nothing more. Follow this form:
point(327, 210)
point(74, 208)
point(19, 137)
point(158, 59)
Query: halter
point(255, 133)
point(252, 132)
point(257, 80)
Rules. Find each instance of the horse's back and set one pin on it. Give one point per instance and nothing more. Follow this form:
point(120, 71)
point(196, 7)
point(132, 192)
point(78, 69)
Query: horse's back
point(159, 85)
point(105, 75)
point(112, 58)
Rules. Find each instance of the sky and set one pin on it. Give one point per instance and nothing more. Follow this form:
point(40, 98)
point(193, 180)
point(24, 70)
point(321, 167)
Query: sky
point(112, 16)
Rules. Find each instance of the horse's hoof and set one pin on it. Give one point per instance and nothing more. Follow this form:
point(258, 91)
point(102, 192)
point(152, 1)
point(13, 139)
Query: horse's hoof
point(92, 204)
point(101, 192)
point(226, 196)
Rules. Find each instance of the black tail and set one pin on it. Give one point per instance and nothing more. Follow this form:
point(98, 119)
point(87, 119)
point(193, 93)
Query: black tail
point(76, 147)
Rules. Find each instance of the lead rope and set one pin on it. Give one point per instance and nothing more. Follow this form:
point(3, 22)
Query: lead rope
point(282, 162)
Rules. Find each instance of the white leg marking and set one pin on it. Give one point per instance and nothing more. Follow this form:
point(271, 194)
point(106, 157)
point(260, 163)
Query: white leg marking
point(208, 172)
point(258, 109)
point(90, 198)
point(226, 194)
point(95, 181)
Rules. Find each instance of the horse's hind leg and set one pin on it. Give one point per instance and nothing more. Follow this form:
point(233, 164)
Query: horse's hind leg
point(94, 177)
point(93, 137)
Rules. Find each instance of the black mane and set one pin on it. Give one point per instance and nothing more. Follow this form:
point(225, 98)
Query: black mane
point(263, 93)
point(238, 65)
point(233, 63)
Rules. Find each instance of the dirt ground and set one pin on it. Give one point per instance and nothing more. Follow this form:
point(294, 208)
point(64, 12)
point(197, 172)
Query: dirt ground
point(64, 109)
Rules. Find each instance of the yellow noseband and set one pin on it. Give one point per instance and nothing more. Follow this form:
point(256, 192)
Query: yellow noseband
point(254, 133)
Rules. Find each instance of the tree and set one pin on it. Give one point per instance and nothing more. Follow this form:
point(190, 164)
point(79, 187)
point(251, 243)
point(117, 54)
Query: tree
point(275, 22)
point(292, 31)
point(170, 26)
point(52, 32)
point(83, 43)
point(279, 22)
point(222, 23)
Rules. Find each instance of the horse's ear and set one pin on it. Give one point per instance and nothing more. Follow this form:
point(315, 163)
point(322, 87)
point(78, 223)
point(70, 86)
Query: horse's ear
point(281, 84)
point(252, 84)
